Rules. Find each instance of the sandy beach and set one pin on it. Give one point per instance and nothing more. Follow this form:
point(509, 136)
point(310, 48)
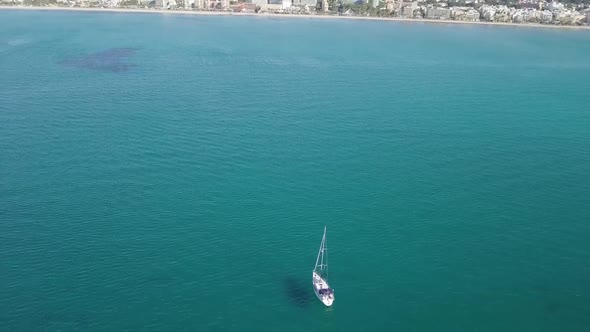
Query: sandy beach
point(300, 16)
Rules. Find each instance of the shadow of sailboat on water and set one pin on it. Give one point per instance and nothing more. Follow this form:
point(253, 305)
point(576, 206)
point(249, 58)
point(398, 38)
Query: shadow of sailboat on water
point(298, 292)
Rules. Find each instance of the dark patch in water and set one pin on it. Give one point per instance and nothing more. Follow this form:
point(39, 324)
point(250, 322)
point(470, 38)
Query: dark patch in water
point(112, 60)
point(297, 292)
point(552, 307)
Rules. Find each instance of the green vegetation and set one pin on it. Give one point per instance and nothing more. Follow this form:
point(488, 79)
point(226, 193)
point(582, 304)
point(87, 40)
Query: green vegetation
point(129, 3)
point(39, 2)
point(358, 8)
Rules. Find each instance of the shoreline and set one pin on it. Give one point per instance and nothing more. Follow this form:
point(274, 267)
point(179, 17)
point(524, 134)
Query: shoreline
point(308, 16)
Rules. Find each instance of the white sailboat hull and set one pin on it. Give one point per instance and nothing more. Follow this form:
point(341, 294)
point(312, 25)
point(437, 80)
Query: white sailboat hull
point(322, 290)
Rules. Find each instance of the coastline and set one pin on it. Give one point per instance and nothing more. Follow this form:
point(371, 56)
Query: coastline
point(308, 16)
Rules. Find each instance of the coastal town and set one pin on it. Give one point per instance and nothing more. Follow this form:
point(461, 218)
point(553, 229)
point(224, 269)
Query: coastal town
point(575, 13)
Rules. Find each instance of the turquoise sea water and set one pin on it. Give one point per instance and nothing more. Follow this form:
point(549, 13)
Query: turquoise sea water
point(174, 173)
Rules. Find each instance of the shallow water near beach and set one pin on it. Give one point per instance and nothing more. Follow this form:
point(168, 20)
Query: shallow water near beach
point(175, 173)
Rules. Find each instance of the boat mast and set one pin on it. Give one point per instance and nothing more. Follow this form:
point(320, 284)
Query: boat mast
point(320, 258)
point(326, 251)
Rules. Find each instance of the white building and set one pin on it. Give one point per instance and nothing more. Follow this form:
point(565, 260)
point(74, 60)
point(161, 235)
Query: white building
point(165, 4)
point(556, 6)
point(109, 3)
point(464, 14)
point(439, 13)
point(546, 16)
point(303, 3)
point(496, 13)
point(472, 15)
point(569, 17)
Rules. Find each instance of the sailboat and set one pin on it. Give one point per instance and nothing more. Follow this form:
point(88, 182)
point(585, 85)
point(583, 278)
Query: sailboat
point(320, 275)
